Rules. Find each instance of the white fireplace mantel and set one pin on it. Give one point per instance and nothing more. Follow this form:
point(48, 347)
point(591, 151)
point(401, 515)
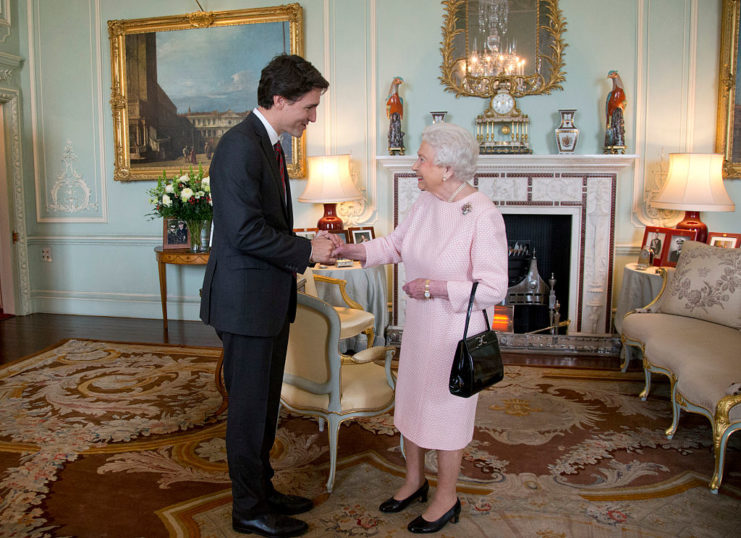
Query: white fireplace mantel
point(582, 186)
point(566, 162)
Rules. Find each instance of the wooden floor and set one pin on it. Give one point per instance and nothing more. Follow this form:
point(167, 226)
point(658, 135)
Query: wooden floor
point(21, 336)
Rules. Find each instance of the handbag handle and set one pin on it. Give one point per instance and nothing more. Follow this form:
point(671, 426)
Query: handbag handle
point(470, 308)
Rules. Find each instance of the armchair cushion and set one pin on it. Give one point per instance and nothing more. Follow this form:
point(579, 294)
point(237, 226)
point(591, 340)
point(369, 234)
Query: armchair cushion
point(704, 384)
point(706, 285)
point(354, 321)
point(363, 387)
point(699, 339)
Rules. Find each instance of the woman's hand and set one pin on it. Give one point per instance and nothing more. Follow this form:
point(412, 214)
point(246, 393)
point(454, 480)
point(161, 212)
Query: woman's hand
point(352, 252)
point(416, 288)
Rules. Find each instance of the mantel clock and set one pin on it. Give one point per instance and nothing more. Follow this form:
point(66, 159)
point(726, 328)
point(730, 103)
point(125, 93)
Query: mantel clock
point(503, 128)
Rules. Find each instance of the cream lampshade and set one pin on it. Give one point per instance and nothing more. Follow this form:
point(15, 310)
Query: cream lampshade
point(694, 184)
point(329, 183)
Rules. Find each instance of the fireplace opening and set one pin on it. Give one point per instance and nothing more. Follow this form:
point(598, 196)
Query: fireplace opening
point(548, 237)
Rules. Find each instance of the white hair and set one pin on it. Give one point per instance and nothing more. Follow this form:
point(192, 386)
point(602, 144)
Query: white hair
point(454, 147)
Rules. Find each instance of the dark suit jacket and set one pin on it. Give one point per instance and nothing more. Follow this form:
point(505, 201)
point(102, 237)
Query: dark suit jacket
point(250, 287)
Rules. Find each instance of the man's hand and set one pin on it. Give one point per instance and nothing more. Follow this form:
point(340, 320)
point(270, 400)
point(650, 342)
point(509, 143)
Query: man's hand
point(336, 241)
point(321, 249)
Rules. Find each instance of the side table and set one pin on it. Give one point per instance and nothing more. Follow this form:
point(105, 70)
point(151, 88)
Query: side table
point(639, 288)
point(175, 256)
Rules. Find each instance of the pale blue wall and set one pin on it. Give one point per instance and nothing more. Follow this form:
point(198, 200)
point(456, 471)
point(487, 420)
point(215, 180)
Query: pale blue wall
point(105, 265)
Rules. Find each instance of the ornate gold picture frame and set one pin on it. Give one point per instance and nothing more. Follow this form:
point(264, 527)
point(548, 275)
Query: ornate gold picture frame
point(179, 82)
point(728, 141)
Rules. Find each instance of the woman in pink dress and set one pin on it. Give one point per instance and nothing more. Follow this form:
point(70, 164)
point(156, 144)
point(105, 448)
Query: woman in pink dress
point(453, 236)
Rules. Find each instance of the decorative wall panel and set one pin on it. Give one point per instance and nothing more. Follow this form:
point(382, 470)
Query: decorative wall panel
point(69, 156)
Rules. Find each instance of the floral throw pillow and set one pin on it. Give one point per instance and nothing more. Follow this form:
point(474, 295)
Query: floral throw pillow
point(706, 285)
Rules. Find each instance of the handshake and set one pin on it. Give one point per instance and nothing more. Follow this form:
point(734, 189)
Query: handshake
point(326, 248)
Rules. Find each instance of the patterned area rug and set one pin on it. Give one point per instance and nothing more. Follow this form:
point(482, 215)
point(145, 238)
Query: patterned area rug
point(108, 439)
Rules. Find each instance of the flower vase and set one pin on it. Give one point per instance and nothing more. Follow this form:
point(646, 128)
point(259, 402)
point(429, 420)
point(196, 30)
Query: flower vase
point(200, 235)
point(566, 133)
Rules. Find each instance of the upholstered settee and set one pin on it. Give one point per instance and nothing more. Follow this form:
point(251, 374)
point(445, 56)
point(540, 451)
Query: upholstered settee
point(691, 333)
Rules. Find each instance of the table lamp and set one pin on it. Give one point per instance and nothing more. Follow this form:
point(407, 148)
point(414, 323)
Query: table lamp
point(694, 184)
point(329, 183)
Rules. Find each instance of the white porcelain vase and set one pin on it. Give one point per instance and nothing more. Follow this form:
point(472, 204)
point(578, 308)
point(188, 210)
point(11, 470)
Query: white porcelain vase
point(566, 133)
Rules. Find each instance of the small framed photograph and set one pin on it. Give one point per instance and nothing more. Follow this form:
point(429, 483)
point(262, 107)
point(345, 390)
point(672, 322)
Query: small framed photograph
point(362, 234)
point(724, 240)
point(342, 234)
point(674, 243)
point(308, 233)
point(175, 234)
point(654, 240)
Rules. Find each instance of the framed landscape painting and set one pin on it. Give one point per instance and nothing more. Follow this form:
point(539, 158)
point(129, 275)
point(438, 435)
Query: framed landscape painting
point(180, 82)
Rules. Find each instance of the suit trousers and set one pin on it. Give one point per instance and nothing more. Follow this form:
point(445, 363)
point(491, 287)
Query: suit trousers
point(253, 376)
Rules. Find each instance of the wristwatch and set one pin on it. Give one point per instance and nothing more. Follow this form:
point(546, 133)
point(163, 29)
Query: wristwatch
point(427, 289)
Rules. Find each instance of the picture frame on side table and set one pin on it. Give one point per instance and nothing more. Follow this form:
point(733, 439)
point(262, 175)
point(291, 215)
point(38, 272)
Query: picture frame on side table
point(166, 116)
point(308, 233)
point(342, 234)
point(724, 240)
point(361, 234)
point(673, 248)
point(654, 240)
point(175, 233)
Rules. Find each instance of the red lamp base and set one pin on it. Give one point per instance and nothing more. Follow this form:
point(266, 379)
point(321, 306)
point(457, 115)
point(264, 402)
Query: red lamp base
point(330, 221)
point(692, 222)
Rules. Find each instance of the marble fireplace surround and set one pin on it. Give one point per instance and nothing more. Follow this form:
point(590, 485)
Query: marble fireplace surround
point(582, 186)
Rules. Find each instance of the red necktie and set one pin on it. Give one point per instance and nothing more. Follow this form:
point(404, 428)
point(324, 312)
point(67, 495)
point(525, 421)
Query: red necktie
point(281, 166)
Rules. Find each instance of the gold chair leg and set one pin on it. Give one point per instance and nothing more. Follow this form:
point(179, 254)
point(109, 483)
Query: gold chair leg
point(370, 333)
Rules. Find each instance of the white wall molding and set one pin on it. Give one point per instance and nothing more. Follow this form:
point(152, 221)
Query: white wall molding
point(641, 89)
point(503, 163)
point(98, 240)
point(10, 64)
point(70, 193)
point(88, 195)
point(652, 168)
point(133, 305)
point(627, 250)
point(14, 167)
point(364, 172)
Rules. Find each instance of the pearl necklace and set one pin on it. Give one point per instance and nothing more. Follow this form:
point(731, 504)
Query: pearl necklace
point(455, 193)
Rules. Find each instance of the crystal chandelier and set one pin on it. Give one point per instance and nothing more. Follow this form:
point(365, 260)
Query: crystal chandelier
point(496, 56)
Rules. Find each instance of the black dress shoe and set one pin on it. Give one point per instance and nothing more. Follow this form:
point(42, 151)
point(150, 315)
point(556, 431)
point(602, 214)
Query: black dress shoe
point(288, 505)
point(421, 526)
point(392, 505)
point(270, 525)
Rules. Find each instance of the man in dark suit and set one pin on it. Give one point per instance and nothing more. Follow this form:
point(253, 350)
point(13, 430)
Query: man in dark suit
point(249, 291)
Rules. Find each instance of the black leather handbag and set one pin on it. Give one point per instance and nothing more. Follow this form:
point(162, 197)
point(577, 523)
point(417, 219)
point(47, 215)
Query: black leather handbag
point(478, 361)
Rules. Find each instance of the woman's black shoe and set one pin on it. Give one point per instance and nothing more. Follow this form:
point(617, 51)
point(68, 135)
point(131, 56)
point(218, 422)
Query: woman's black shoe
point(422, 526)
point(392, 505)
